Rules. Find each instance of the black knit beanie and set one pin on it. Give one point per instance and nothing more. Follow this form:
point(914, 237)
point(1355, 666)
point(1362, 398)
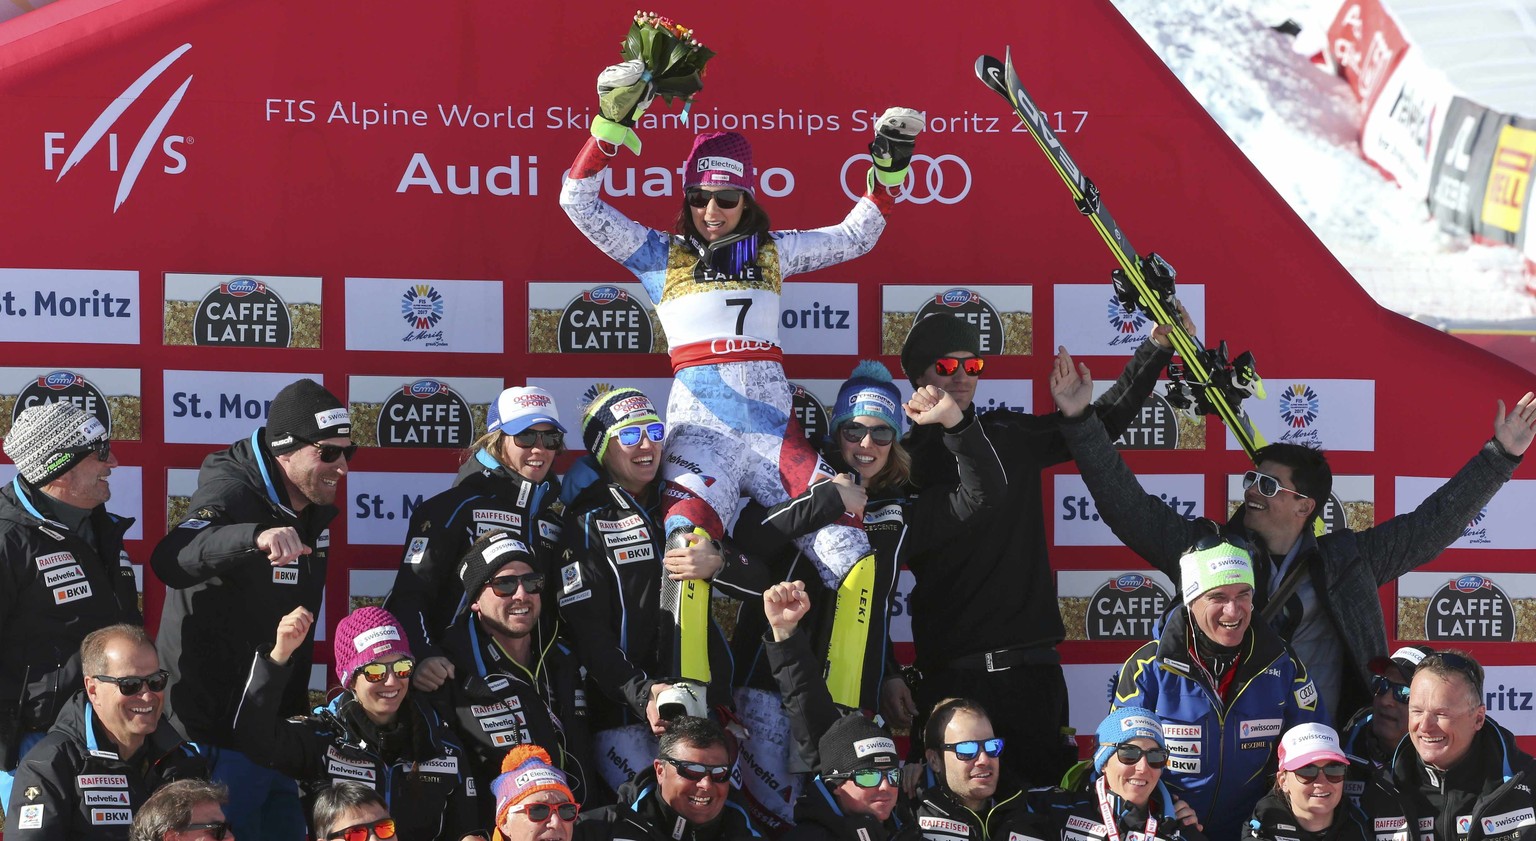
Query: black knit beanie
point(854, 743)
point(933, 337)
point(486, 558)
point(304, 412)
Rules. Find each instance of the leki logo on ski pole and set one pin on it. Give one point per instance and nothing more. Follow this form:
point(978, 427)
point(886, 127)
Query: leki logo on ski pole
point(101, 128)
point(945, 179)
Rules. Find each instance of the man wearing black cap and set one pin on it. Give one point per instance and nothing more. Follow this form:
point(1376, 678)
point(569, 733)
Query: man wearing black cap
point(63, 571)
point(999, 568)
point(515, 682)
point(1374, 732)
point(251, 549)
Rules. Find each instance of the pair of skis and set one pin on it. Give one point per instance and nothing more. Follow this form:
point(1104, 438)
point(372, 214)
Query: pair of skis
point(1207, 381)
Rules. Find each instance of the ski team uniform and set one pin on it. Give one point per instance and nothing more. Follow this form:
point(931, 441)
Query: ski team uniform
point(498, 704)
point(75, 785)
point(610, 600)
point(731, 426)
point(55, 587)
point(1484, 797)
point(486, 496)
point(418, 766)
point(1100, 815)
point(1221, 755)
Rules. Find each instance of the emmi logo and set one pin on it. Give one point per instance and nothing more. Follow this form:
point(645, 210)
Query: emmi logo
point(175, 161)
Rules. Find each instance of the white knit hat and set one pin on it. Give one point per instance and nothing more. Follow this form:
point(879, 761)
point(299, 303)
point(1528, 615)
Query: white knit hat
point(47, 440)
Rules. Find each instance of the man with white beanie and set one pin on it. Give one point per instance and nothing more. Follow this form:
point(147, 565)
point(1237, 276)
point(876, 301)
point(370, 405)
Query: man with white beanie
point(1224, 687)
point(63, 571)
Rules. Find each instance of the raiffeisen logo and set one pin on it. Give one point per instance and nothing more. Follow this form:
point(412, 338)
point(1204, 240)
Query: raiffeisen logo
point(153, 137)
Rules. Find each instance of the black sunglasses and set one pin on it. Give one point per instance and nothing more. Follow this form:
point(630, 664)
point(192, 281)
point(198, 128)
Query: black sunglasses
point(539, 812)
point(695, 771)
point(1268, 485)
point(549, 439)
point(946, 366)
point(1132, 754)
point(101, 447)
point(1211, 541)
point(132, 685)
point(968, 749)
point(1335, 771)
point(506, 585)
point(1381, 686)
point(330, 452)
point(724, 199)
point(854, 433)
point(869, 777)
point(217, 830)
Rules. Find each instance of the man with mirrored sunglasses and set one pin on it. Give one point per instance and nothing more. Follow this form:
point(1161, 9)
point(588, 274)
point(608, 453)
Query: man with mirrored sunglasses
point(1332, 617)
point(185, 810)
point(856, 793)
point(684, 794)
point(253, 546)
point(1374, 732)
point(109, 750)
point(63, 567)
point(965, 792)
point(619, 583)
point(1000, 567)
point(507, 483)
point(516, 680)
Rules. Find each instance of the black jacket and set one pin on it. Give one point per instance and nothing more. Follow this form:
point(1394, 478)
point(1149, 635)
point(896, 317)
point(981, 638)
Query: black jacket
point(54, 589)
point(898, 526)
point(610, 601)
point(1000, 567)
point(418, 766)
point(641, 815)
point(486, 496)
point(940, 817)
point(224, 598)
point(1485, 796)
point(819, 818)
point(1068, 815)
point(73, 785)
point(497, 704)
point(1366, 755)
point(1273, 821)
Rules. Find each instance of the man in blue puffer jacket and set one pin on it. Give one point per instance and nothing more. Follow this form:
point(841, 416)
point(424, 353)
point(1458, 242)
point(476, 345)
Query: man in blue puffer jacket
point(1224, 687)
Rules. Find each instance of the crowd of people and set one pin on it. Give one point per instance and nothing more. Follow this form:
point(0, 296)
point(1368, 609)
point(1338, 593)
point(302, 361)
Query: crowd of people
point(547, 664)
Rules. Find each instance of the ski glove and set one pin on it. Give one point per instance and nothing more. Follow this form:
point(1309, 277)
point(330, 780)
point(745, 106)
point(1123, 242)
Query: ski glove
point(624, 91)
point(895, 137)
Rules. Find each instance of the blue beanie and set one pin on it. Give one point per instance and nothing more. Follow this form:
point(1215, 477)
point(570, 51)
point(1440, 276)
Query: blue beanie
point(1123, 725)
point(868, 391)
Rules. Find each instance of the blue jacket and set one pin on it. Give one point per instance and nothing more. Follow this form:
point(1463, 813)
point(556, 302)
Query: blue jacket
point(1221, 757)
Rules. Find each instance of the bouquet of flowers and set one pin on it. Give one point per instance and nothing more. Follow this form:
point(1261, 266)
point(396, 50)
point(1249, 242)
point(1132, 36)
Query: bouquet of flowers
point(673, 59)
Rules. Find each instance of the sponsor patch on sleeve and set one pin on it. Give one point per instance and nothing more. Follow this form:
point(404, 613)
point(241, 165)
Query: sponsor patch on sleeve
point(575, 597)
point(324, 540)
point(634, 554)
point(31, 817)
point(285, 575)
point(1306, 696)
point(549, 531)
point(54, 559)
point(195, 524)
point(570, 578)
point(73, 572)
point(72, 592)
point(416, 550)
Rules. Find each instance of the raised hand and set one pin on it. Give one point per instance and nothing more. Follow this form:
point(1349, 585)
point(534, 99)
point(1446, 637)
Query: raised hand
point(931, 404)
point(1515, 430)
point(292, 630)
point(785, 604)
point(1071, 386)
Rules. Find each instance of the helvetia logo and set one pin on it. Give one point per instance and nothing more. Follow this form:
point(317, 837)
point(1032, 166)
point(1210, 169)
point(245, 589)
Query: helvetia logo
point(422, 307)
point(1299, 406)
point(101, 128)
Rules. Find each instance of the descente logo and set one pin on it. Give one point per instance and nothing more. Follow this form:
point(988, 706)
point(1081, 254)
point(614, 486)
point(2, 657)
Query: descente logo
point(101, 127)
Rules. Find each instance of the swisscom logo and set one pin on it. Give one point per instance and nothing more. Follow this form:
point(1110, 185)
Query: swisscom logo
point(153, 139)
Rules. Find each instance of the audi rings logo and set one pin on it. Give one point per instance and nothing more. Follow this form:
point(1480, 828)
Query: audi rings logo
point(945, 179)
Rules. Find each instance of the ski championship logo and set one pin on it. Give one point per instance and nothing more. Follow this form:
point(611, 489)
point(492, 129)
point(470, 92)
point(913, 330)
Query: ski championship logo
point(422, 307)
point(1299, 406)
point(1476, 532)
point(1126, 324)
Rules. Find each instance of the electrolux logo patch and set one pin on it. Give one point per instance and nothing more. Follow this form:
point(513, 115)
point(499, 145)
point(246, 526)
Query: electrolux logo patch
point(604, 319)
point(172, 157)
point(64, 386)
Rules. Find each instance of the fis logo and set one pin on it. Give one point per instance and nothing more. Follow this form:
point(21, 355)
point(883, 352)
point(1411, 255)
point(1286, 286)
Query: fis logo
point(1299, 406)
point(1125, 322)
point(422, 307)
point(151, 138)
